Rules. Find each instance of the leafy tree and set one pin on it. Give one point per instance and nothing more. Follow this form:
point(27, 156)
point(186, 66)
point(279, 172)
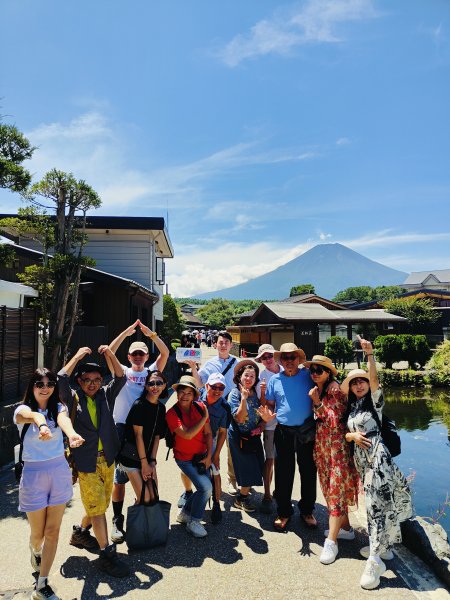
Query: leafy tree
point(173, 322)
point(304, 288)
point(62, 233)
point(386, 292)
point(439, 365)
point(7, 255)
point(14, 150)
point(217, 313)
point(388, 349)
point(418, 311)
point(339, 349)
point(362, 293)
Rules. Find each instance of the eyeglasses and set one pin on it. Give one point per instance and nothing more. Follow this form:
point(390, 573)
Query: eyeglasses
point(358, 381)
point(154, 383)
point(138, 353)
point(217, 388)
point(41, 385)
point(318, 370)
point(266, 356)
point(96, 381)
point(289, 356)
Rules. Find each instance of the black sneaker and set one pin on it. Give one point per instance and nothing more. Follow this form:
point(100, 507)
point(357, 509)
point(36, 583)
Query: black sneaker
point(83, 539)
point(244, 503)
point(216, 513)
point(111, 564)
point(45, 593)
point(117, 532)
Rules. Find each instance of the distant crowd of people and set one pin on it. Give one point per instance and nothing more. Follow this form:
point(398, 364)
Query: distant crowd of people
point(271, 412)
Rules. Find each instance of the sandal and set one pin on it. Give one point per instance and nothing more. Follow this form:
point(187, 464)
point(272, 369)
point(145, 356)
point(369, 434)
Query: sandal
point(309, 521)
point(281, 523)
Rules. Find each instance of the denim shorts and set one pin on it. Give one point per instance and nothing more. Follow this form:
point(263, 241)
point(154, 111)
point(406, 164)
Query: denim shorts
point(45, 483)
point(120, 475)
point(123, 470)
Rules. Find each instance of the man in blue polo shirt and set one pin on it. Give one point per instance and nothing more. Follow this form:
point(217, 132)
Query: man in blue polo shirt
point(294, 435)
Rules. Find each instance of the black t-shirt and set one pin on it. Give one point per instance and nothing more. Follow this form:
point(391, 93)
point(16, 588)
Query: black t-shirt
point(144, 413)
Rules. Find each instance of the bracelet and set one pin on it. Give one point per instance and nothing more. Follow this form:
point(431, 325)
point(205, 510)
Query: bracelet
point(153, 336)
point(152, 460)
point(317, 406)
point(142, 458)
point(43, 425)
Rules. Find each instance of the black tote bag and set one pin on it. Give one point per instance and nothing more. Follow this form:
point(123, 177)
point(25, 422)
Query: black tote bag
point(147, 525)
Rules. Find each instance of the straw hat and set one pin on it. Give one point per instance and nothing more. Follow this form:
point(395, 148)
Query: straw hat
point(323, 361)
point(187, 381)
point(355, 374)
point(289, 347)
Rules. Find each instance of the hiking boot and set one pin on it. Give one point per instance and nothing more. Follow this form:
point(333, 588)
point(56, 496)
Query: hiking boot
point(196, 529)
point(35, 559)
point(329, 552)
point(266, 506)
point(82, 538)
point(117, 532)
point(344, 534)
point(111, 564)
point(370, 579)
point(216, 513)
point(45, 593)
point(244, 503)
point(183, 498)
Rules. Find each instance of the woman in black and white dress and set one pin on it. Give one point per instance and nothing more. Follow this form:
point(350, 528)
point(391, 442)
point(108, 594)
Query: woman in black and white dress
point(386, 491)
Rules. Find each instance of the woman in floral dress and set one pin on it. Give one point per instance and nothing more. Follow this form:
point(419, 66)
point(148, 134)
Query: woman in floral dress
point(337, 473)
point(386, 491)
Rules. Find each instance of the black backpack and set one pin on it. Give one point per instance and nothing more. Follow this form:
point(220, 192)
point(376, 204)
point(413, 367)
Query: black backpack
point(389, 434)
point(170, 437)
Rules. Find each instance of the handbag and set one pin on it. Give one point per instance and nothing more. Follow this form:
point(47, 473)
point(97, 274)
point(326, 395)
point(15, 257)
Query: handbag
point(67, 449)
point(249, 444)
point(147, 524)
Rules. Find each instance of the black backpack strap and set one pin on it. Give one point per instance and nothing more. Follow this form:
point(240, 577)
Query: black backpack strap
point(229, 365)
point(22, 436)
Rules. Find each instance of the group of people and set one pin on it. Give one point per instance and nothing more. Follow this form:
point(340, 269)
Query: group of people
point(290, 410)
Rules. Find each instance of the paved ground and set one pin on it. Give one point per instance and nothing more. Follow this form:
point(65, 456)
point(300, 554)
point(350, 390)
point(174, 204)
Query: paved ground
point(241, 558)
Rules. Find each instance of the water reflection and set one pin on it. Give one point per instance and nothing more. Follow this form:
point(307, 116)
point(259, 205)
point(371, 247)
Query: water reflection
point(423, 418)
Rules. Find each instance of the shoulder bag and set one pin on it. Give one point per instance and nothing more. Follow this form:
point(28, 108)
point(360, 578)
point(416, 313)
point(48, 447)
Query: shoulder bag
point(147, 524)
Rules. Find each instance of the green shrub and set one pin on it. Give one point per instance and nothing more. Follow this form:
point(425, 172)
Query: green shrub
point(401, 378)
point(439, 365)
point(388, 349)
point(339, 349)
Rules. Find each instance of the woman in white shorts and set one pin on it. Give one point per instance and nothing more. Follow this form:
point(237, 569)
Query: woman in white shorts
point(46, 481)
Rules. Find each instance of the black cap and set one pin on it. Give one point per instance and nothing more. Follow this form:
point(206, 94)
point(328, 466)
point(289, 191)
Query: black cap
point(89, 368)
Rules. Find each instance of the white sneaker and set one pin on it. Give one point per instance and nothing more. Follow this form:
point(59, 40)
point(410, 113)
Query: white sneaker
point(370, 579)
point(329, 552)
point(183, 517)
point(196, 529)
point(344, 534)
point(388, 555)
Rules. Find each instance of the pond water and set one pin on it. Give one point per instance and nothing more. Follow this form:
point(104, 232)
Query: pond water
point(423, 420)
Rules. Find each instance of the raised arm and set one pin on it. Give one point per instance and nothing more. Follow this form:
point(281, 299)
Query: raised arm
point(111, 360)
point(130, 330)
point(371, 365)
point(79, 355)
point(163, 356)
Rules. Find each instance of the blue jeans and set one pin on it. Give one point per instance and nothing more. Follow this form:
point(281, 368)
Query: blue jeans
point(195, 504)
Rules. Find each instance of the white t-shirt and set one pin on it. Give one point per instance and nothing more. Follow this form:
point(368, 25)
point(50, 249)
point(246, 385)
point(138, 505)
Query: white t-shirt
point(266, 376)
point(130, 391)
point(35, 449)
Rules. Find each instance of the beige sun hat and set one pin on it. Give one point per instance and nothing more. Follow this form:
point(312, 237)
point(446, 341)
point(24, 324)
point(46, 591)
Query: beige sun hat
point(138, 346)
point(289, 347)
point(187, 381)
point(263, 349)
point(323, 361)
point(355, 374)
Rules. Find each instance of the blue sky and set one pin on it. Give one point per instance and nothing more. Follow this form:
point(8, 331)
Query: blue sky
point(260, 128)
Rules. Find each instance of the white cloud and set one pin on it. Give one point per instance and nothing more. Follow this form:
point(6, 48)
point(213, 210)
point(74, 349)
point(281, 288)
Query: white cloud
point(385, 238)
point(343, 141)
point(316, 22)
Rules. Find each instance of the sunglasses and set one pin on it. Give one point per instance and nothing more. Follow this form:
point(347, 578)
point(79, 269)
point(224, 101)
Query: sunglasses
point(266, 356)
point(96, 381)
point(138, 353)
point(318, 370)
point(358, 381)
point(217, 388)
point(154, 383)
point(41, 385)
point(289, 356)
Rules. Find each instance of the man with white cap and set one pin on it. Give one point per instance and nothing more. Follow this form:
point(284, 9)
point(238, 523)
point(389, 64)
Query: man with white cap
point(136, 375)
point(294, 435)
point(271, 367)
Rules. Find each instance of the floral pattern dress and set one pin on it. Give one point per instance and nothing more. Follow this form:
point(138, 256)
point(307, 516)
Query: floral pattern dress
point(386, 491)
point(337, 474)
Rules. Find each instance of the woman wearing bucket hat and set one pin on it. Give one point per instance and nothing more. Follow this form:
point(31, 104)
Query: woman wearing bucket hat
point(189, 423)
point(244, 433)
point(337, 474)
point(387, 495)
